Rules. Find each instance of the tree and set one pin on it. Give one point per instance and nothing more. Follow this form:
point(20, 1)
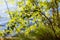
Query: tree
point(34, 22)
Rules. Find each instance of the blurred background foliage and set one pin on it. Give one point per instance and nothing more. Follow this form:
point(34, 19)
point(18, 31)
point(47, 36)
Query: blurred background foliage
point(34, 20)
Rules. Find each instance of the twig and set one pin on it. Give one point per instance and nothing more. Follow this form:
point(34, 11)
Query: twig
point(7, 7)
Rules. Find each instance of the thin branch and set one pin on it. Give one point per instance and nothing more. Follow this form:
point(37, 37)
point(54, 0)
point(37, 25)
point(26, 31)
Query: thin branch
point(53, 12)
point(57, 7)
point(46, 17)
point(51, 24)
point(7, 7)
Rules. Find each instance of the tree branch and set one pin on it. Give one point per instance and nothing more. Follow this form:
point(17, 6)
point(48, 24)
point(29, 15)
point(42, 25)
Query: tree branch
point(7, 7)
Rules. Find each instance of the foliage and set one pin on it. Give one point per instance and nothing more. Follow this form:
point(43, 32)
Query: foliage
point(32, 20)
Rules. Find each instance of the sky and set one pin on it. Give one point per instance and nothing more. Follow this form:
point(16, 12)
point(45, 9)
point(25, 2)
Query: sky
point(4, 16)
point(3, 7)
